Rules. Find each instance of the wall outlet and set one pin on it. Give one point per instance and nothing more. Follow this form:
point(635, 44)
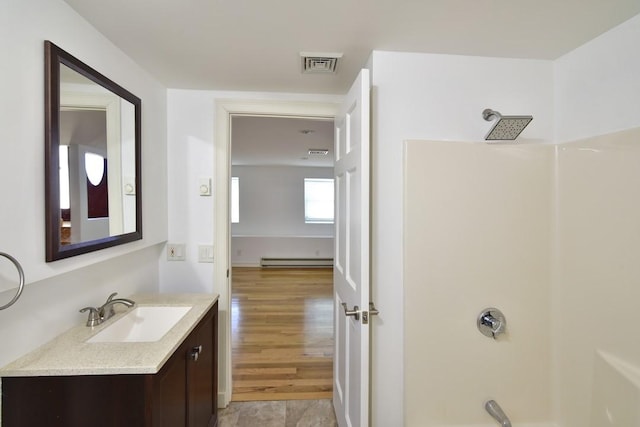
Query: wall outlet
point(205, 253)
point(175, 252)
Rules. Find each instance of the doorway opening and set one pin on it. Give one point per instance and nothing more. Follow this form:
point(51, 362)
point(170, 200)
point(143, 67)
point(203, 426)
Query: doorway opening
point(224, 110)
point(281, 257)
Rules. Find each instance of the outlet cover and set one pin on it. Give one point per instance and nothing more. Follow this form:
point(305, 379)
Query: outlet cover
point(175, 252)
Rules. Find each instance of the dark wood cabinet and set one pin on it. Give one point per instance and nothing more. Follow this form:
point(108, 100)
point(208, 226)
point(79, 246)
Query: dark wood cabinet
point(183, 393)
point(201, 375)
point(186, 387)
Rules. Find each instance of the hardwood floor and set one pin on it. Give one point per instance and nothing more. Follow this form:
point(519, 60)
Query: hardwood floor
point(282, 333)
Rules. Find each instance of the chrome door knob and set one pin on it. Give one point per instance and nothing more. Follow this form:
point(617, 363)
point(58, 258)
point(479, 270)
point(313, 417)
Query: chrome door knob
point(354, 313)
point(373, 311)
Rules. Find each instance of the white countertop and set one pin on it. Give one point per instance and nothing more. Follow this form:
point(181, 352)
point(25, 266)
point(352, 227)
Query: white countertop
point(70, 354)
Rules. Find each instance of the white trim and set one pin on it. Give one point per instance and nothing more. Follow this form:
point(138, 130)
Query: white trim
point(225, 109)
point(285, 236)
point(246, 264)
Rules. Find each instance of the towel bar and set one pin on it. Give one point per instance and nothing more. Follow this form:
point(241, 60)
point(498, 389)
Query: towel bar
point(21, 274)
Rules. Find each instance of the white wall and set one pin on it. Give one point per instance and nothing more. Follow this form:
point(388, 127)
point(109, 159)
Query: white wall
point(595, 282)
point(190, 216)
point(191, 118)
point(597, 85)
point(49, 307)
point(435, 97)
point(247, 251)
point(272, 201)
point(56, 291)
point(272, 215)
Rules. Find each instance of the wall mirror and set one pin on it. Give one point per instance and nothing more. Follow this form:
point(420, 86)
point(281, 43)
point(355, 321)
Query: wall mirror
point(92, 159)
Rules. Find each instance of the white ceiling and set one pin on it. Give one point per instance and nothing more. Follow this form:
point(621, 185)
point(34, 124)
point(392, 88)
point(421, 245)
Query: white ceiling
point(255, 44)
point(278, 141)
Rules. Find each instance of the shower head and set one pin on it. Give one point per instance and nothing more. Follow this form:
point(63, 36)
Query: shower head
point(506, 127)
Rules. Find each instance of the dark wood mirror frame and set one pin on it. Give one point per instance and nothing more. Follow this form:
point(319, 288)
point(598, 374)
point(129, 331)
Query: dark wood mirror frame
point(55, 250)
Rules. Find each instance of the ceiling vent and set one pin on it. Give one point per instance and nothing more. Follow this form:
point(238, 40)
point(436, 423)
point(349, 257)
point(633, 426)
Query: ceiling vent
point(318, 151)
point(319, 63)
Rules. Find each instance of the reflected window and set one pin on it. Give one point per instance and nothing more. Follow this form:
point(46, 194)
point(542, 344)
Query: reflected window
point(64, 176)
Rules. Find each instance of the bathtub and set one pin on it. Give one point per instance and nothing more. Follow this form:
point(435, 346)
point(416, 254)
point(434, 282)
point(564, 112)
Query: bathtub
point(616, 392)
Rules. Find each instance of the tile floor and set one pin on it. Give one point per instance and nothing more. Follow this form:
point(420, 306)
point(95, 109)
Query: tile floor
point(283, 413)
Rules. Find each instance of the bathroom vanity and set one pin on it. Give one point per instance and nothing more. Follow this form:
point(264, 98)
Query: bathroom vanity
point(74, 381)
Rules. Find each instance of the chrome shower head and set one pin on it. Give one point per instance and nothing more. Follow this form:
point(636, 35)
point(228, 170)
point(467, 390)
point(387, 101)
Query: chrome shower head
point(506, 127)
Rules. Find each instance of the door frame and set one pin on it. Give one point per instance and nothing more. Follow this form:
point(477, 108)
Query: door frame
point(224, 110)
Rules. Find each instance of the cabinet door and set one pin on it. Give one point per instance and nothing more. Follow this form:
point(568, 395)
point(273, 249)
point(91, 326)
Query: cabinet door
point(201, 374)
point(170, 392)
point(74, 401)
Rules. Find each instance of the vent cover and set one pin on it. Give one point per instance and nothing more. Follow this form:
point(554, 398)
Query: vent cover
point(320, 63)
point(318, 151)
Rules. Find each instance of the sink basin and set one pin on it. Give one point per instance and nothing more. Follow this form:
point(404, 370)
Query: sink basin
point(142, 324)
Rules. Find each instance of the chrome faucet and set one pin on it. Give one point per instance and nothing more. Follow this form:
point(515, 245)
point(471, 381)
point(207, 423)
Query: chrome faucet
point(497, 413)
point(105, 311)
point(94, 317)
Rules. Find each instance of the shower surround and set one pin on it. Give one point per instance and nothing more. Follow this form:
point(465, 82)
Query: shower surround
point(548, 234)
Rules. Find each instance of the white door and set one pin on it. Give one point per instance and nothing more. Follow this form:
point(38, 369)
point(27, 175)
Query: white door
point(351, 270)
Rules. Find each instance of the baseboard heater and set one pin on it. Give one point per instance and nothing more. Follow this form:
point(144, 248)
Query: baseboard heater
point(296, 262)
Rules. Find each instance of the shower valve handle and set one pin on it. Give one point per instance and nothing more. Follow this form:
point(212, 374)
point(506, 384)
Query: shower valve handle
point(491, 322)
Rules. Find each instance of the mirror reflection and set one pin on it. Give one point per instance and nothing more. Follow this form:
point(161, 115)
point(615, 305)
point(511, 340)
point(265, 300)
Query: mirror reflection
point(96, 152)
point(93, 144)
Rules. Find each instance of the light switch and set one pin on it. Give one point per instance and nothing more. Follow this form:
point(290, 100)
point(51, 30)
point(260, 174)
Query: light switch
point(175, 252)
point(204, 186)
point(205, 253)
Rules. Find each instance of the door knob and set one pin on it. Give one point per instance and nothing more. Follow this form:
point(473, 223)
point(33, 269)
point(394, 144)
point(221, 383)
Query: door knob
point(355, 312)
point(373, 311)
